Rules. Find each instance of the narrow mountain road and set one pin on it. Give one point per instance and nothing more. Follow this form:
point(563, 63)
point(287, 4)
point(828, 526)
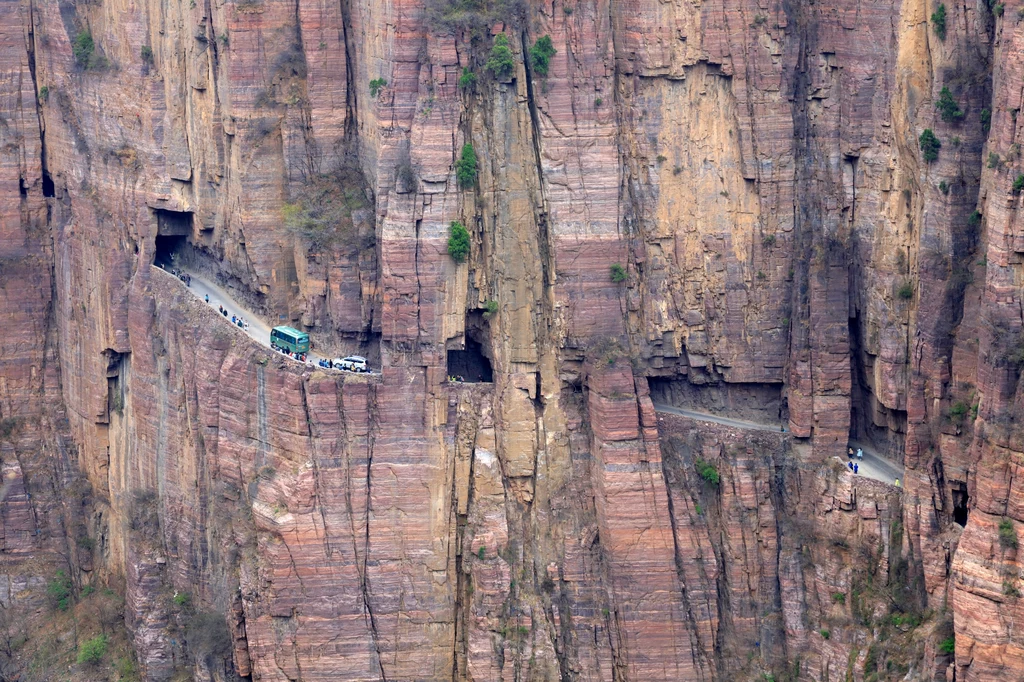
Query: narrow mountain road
point(258, 331)
point(724, 421)
point(876, 466)
point(873, 465)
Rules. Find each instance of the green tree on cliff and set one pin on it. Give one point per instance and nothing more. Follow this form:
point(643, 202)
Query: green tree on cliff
point(930, 145)
point(458, 241)
point(939, 22)
point(948, 107)
point(466, 167)
point(541, 54)
point(501, 62)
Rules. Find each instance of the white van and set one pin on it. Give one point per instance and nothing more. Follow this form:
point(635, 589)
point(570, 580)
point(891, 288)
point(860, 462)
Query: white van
point(353, 363)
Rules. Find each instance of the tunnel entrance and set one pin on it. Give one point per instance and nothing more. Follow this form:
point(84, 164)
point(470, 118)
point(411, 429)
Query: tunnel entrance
point(473, 362)
point(470, 365)
point(167, 246)
point(960, 503)
point(173, 223)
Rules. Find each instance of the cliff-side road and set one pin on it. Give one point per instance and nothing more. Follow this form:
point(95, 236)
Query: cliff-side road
point(873, 465)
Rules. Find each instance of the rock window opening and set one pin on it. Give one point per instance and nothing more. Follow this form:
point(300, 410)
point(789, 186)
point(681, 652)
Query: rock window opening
point(167, 246)
point(960, 500)
point(470, 364)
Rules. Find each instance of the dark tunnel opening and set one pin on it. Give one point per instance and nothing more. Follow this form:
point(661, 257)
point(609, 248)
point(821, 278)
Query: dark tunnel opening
point(960, 503)
point(167, 246)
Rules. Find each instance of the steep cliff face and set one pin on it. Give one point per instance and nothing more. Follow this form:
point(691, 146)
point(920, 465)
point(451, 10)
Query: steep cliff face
point(786, 254)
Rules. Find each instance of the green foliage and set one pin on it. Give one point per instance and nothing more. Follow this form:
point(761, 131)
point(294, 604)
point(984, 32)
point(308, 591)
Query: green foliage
point(825, 633)
point(1018, 184)
point(997, 9)
point(465, 166)
point(930, 145)
point(58, 591)
point(458, 241)
point(82, 47)
point(481, 553)
point(906, 290)
point(92, 651)
point(619, 273)
point(126, 669)
point(948, 107)
point(986, 119)
point(376, 85)
point(44, 93)
point(475, 17)
point(957, 412)
point(768, 240)
point(838, 597)
point(501, 62)
point(1007, 534)
point(707, 471)
point(948, 646)
point(182, 598)
point(467, 80)
point(321, 213)
point(974, 219)
point(943, 187)
point(147, 54)
point(598, 101)
point(939, 22)
point(540, 55)
point(993, 160)
point(491, 308)
point(86, 591)
point(698, 509)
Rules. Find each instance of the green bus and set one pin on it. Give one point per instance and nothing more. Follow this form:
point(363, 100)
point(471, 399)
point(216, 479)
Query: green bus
point(289, 339)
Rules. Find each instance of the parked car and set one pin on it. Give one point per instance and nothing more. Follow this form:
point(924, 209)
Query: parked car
point(353, 363)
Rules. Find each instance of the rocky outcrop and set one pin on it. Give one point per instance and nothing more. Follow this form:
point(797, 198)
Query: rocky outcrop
point(753, 171)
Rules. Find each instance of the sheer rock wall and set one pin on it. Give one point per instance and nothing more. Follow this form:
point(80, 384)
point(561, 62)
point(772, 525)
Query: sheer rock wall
point(754, 167)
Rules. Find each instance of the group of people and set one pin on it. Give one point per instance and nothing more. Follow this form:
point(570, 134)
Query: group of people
point(180, 274)
point(456, 378)
point(301, 357)
point(236, 320)
point(855, 466)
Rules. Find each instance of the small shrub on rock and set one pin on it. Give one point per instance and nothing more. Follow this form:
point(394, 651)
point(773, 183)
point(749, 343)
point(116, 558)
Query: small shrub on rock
point(1018, 184)
point(939, 22)
point(948, 646)
point(502, 62)
point(930, 145)
point(458, 241)
point(707, 471)
point(466, 167)
point(619, 274)
point(376, 85)
point(948, 107)
point(1007, 534)
point(540, 55)
point(906, 291)
point(83, 47)
point(92, 651)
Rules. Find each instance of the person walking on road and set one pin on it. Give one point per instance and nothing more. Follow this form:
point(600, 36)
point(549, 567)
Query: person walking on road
point(207, 298)
point(855, 468)
point(897, 483)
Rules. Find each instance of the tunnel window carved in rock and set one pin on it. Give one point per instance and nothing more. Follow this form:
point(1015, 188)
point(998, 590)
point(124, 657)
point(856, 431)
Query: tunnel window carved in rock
point(173, 230)
point(473, 362)
point(960, 502)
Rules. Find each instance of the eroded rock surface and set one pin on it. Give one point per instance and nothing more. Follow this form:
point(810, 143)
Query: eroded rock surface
point(787, 254)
